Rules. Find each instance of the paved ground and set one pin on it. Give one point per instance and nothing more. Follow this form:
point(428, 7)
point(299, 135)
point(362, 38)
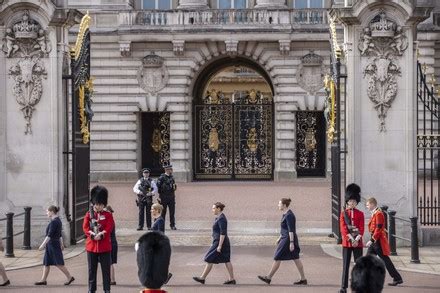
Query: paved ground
point(323, 273)
point(255, 203)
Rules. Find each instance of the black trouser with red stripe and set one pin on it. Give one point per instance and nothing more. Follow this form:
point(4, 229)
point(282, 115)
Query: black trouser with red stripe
point(346, 258)
point(376, 249)
point(105, 260)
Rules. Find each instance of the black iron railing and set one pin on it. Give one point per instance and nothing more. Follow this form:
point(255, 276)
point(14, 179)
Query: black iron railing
point(390, 220)
point(428, 155)
point(9, 247)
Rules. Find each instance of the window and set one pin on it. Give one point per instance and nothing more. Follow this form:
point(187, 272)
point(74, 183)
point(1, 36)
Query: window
point(301, 4)
point(156, 4)
point(234, 4)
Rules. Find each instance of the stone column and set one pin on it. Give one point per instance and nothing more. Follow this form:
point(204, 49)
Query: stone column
point(271, 4)
point(2, 128)
point(381, 100)
point(193, 4)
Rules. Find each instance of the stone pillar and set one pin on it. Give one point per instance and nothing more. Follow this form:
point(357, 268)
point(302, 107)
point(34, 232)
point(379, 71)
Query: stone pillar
point(381, 99)
point(2, 128)
point(192, 4)
point(271, 4)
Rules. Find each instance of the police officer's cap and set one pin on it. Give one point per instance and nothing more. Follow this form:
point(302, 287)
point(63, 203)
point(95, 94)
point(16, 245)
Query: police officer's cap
point(167, 166)
point(352, 191)
point(146, 170)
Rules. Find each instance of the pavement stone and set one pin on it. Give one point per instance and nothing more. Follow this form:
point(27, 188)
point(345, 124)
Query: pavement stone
point(429, 258)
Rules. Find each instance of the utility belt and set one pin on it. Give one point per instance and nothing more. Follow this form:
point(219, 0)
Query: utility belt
point(144, 199)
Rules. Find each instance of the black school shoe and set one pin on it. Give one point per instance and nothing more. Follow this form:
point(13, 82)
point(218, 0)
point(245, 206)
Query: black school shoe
point(301, 282)
point(69, 282)
point(7, 283)
point(200, 280)
point(230, 282)
point(265, 279)
point(168, 278)
point(395, 282)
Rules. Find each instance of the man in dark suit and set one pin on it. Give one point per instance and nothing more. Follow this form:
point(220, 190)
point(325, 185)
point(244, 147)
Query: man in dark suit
point(167, 188)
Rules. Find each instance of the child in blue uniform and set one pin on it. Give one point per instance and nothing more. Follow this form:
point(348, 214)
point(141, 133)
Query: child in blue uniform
point(287, 244)
point(53, 255)
point(156, 214)
point(220, 250)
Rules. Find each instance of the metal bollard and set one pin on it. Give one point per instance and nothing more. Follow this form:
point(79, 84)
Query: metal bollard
point(9, 235)
point(392, 231)
point(414, 241)
point(27, 228)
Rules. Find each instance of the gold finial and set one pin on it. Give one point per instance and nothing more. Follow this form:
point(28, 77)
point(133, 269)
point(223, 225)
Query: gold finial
point(418, 53)
point(432, 80)
point(424, 67)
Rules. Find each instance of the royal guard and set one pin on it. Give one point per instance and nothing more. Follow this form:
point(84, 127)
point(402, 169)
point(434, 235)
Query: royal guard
point(378, 244)
point(98, 225)
point(153, 255)
point(351, 224)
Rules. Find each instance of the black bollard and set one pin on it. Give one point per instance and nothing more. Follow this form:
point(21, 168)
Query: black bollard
point(9, 235)
point(392, 231)
point(27, 228)
point(414, 241)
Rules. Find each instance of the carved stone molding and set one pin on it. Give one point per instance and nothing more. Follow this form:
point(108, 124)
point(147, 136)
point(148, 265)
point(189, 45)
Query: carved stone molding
point(178, 47)
point(28, 73)
point(284, 47)
point(125, 48)
point(153, 74)
point(26, 38)
point(231, 47)
point(382, 41)
point(310, 73)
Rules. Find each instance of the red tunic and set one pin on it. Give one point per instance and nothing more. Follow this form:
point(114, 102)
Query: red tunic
point(357, 219)
point(377, 229)
point(105, 223)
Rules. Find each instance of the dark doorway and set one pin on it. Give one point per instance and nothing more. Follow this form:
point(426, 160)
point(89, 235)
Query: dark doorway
point(155, 141)
point(310, 144)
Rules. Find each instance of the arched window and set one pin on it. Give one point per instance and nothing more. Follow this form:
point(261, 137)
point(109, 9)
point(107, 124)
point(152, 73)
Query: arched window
point(157, 4)
point(301, 4)
point(231, 4)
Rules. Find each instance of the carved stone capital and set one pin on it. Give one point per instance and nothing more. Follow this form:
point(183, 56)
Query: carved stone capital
point(284, 47)
point(231, 47)
point(125, 48)
point(26, 38)
point(178, 47)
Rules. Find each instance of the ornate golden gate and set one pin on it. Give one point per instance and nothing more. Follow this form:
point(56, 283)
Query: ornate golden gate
point(233, 137)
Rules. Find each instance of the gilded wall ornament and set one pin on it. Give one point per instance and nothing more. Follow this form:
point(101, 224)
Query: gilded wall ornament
point(310, 73)
point(156, 143)
point(153, 74)
point(213, 140)
point(382, 42)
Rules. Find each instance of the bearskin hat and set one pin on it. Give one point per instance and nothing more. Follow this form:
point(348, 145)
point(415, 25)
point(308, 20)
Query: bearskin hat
point(368, 274)
point(153, 259)
point(352, 191)
point(99, 195)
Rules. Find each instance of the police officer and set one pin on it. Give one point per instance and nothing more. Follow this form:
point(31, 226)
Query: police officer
point(167, 187)
point(145, 188)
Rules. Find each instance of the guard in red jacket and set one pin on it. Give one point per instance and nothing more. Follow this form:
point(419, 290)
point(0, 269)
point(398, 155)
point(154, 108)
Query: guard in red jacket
point(351, 223)
point(98, 228)
point(378, 243)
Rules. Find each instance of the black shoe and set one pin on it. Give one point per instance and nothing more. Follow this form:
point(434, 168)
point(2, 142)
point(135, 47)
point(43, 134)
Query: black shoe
point(7, 283)
point(173, 228)
point(301, 282)
point(265, 279)
point(40, 283)
point(200, 280)
point(140, 228)
point(149, 228)
point(395, 283)
point(113, 283)
point(69, 282)
point(168, 278)
point(342, 290)
point(230, 282)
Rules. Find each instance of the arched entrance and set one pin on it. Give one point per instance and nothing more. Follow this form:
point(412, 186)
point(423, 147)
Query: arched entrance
point(233, 122)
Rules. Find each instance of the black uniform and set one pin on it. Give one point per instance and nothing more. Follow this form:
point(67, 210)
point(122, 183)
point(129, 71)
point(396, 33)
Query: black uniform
point(167, 187)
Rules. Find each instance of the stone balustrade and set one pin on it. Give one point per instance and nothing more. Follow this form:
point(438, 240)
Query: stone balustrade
point(213, 17)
